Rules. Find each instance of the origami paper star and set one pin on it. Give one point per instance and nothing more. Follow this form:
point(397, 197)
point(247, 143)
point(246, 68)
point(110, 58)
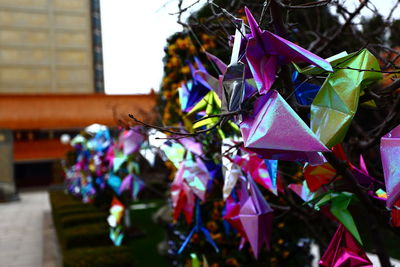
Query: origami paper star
point(275, 131)
point(266, 52)
point(131, 141)
point(182, 196)
point(343, 251)
point(256, 217)
point(390, 151)
point(336, 103)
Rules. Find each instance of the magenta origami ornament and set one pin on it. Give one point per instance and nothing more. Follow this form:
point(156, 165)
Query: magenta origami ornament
point(266, 52)
point(390, 155)
point(275, 131)
point(256, 218)
point(344, 251)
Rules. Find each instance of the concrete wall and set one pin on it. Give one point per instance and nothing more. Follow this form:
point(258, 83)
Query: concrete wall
point(45, 46)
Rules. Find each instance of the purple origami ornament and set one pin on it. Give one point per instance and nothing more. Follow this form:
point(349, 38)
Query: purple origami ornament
point(133, 184)
point(256, 218)
point(266, 52)
point(344, 251)
point(390, 155)
point(275, 131)
point(132, 140)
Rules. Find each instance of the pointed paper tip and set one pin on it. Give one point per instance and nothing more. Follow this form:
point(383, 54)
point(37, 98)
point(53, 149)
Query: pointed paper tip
point(252, 22)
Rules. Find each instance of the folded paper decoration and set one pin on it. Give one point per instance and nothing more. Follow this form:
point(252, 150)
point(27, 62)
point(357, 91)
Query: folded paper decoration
point(302, 191)
point(343, 251)
point(305, 92)
point(114, 220)
point(196, 176)
point(133, 184)
point(192, 145)
point(175, 152)
point(233, 81)
point(197, 89)
point(339, 204)
point(211, 104)
point(266, 52)
point(183, 199)
point(114, 182)
point(198, 227)
point(132, 140)
point(256, 168)
point(390, 155)
point(336, 102)
point(256, 218)
point(275, 131)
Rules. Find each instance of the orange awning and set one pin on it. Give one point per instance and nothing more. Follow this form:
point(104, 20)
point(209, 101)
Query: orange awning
point(39, 150)
point(66, 111)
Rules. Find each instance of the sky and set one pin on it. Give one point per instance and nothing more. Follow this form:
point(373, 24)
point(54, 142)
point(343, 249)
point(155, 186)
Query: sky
point(134, 36)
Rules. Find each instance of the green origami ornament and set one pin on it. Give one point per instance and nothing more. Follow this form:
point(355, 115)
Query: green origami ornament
point(336, 102)
point(211, 104)
point(339, 204)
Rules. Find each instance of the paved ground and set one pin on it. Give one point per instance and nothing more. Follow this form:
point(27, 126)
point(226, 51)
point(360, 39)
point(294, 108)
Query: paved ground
point(27, 237)
point(22, 230)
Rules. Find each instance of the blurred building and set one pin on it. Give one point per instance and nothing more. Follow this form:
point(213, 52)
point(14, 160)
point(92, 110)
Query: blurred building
point(51, 82)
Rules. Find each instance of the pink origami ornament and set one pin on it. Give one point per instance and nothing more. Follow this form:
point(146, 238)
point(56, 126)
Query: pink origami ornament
point(266, 52)
point(182, 196)
point(344, 251)
point(256, 168)
point(131, 140)
point(196, 176)
point(256, 217)
point(390, 155)
point(275, 131)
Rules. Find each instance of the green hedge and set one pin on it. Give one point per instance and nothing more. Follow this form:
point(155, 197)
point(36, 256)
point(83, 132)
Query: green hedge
point(99, 257)
point(83, 234)
point(82, 218)
point(86, 235)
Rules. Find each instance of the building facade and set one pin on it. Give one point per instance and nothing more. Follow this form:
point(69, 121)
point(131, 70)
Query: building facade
point(46, 46)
